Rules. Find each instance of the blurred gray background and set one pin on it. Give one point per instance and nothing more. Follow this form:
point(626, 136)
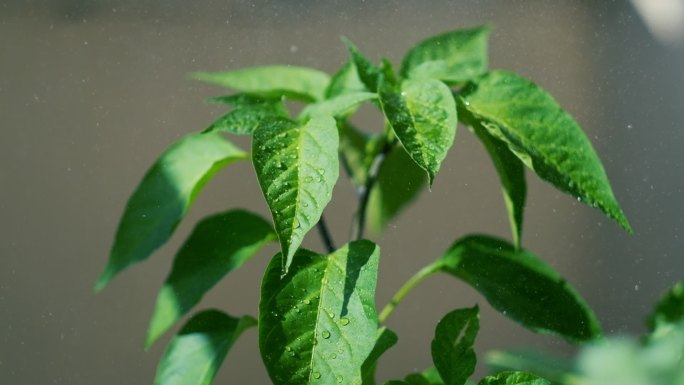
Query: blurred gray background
point(91, 92)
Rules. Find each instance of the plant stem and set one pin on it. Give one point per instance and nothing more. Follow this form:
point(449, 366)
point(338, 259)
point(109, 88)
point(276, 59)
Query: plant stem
point(365, 191)
point(325, 235)
point(404, 290)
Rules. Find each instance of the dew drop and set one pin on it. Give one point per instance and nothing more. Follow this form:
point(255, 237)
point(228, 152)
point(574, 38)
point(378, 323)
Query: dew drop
point(325, 334)
point(321, 170)
point(316, 375)
point(289, 349)
point(307, 302)
point(333, 356)
point(339, 379)
point(295, 223)
point(308, 179)
point(344, 321)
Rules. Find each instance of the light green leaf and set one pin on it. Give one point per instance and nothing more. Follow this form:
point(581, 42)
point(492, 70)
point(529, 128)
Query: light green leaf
point(521, 286)
point(399, 183)
point(385, 340)
point(545, 137)
point(164, 196)
point(196, 353)
point(452, 57)
point(512, 176)
point(318, 323)
point(218, 245)
point(338, 106)
point(368, 72)
point(247, 114)
point(300, 83)
point(346, 80)
point(297, 167)
point(423, 116)
point(426, 377)
point(514, 378)
point(670, 308)
point(452, 347)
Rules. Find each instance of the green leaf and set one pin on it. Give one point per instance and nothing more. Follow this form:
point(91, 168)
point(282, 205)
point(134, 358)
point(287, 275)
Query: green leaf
point(297, 167)
point(218, 245)
point(521, 286)
point(338, 106)
point(300, 83)
point(368, 72)
point(318, 323)
point(358, 150)
point(452, 57)
point(426, 377)
point(196, 353)
point(545, 137)
point(670, 308)
point(246, 117)
point(514, 378)
point(452, 347)
point(385, 340)
point(346, 80)
point(423, 116)
point(556, 369)
point(399, 183)
point(164, 196)
point(512, 176)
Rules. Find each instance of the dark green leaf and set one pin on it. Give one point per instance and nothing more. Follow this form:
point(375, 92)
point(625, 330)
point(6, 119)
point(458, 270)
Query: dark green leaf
point(423, 116)
point(514, 378)
point(302, 83)
point(396, 382)
point(338, 106)
point(357, 150)
point(399, 182)
point(346, 80)
point(164, 196)
point(196, 353)
point(512, 175)
point(545, 137)
point(452, 347)
point(244, 119)
point(297, 167)
point(318, 323)
point(426, 377)
point(670, 308)
point(385, 340)
point(521, 286)
point(218, 245)
point(367, 71)
point(452, 57)
point(555, 369)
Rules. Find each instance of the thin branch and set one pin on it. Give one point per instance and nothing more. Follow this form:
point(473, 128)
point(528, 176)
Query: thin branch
point(365, 191)
point(325, 235)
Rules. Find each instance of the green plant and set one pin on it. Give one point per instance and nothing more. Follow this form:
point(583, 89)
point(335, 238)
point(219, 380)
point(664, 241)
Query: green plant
point(317, 320)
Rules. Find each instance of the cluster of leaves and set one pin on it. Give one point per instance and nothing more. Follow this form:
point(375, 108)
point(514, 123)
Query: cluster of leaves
point(317, 321)
point(657, 358)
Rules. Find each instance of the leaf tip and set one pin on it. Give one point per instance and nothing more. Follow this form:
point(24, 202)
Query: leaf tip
point(104, 279)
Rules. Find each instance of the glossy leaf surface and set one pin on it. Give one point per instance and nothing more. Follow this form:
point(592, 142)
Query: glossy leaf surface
point(301, 83)
point(318, 324)
point(399, 183)
point(426, 377)
point(451, 57)
point(521, 286)
point(217, 245)
point(196, 353)
point(452, 347)
point(545, 137)
point(338, 106)
point(384, 341)
point(164, 196)
point(423, 117)
point(514, 378)
point(297, 166)
point(247, 114)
